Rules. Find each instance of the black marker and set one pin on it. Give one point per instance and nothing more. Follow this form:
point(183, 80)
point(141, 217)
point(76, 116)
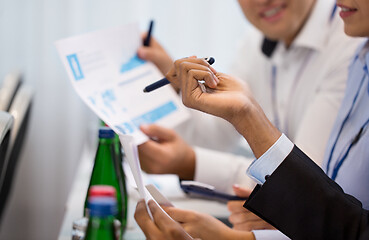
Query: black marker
point(164, 81)
point(148, 37)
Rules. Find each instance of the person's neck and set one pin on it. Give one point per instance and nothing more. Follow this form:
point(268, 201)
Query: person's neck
point(289, 40)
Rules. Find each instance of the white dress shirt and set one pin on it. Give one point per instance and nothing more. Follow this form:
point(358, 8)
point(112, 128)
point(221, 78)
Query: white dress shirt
point(309, 86)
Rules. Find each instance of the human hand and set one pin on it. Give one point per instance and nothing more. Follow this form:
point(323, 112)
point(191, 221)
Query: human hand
point(241, 218)
point(204, 226)
point(163, 227)
point(156, 54)
point(168, 153)
point(227, 96)
point(172, 73)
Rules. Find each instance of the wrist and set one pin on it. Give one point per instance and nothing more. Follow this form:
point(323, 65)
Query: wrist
point(243, 115)
point(239, 235)
point(256, 128)
point(186, 170)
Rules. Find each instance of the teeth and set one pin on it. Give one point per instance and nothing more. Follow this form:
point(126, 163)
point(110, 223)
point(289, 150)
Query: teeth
point(272, 12)
point(345, 9)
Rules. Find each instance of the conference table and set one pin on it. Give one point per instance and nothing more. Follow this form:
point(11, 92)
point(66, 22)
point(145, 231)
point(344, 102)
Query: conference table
point(167, 184)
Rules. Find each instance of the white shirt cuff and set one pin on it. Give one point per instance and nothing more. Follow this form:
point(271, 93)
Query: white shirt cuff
point(269, 235)
point(270, 160)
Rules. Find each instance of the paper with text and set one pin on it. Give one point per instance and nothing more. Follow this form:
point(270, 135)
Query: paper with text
point(109, 77)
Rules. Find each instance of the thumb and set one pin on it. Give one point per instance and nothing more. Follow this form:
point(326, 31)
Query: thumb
point(240, 191)
point(157, 132)
point(148, 54)
point(144, 53)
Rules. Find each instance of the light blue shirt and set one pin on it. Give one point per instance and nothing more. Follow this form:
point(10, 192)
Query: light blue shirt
point(353, 171)
point(353, 174)
point(270, 160)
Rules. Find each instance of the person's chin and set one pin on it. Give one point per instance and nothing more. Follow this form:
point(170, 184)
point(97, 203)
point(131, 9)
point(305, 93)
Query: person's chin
point(353, 32)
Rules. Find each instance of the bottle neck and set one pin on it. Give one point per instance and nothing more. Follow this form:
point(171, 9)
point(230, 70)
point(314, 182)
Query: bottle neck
point(100, 228)
point(106, 140)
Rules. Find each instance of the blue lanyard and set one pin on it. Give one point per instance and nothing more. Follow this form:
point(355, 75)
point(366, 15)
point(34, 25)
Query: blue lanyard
point(354, 141)
point(333, 12)
point(295, 83)
point(274, 97)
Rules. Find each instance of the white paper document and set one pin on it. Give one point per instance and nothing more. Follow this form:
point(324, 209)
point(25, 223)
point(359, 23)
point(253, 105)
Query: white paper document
point(109, 77)
point(131, 153)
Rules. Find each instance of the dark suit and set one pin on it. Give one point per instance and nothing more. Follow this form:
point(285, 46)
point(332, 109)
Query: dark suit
point(301, 201)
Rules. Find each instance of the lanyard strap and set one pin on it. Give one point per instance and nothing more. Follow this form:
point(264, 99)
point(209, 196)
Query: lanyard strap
point(353, 142)
point(333, 13)
point(274, 96)
point(340, 131)
point(290, 95)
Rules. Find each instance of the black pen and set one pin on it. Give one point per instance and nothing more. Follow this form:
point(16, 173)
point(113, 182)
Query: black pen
point(148, 37)
point(164, 81)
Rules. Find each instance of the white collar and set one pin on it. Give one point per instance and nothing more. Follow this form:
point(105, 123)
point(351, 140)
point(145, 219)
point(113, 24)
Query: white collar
point(315, 31)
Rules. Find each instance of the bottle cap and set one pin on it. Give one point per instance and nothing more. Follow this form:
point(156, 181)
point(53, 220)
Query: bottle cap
point(105, 132)
point(102, 206)
point(102, 191)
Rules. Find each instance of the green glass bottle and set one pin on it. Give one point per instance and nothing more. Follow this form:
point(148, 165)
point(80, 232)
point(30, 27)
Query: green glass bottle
point(101, 220)
point(106, 171)
point(119, 166)
point(120, 156)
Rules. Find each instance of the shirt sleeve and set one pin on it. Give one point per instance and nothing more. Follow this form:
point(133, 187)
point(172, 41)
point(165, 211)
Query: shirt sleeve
point(270, 160)
point(269, 235)
point(222, 170)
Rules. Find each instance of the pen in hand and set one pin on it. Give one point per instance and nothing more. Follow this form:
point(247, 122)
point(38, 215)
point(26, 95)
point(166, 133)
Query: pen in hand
point(148, 37)
point(164, 81)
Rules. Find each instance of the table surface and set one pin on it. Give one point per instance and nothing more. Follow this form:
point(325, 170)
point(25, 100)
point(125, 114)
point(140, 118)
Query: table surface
point(167, 184)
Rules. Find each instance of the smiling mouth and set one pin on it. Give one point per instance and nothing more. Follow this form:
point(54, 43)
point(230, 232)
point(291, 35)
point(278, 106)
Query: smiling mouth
point(272, 12)
point(346, 9)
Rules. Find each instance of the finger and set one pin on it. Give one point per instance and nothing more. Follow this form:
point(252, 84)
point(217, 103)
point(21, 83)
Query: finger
point(236, 206)
point(190, 85)
point(243, 217)
point(155, 131)
point(193, 59)
point(204, 61)
point(144, 52)
point(171, 75)
point(210, 78)
point(252, 225)
point(238, 218)
point(196, 63)
point(180, 215)
point(161, 219)
point(148, 53)
point(144, 221)
point(192, 94)
point(240, 191)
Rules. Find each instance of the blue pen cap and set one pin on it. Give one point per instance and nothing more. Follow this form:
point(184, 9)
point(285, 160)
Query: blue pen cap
point(102, 206)
point(106, 132)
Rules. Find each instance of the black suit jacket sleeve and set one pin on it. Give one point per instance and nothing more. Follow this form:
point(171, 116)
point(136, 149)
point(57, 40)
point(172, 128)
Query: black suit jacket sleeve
point(301, 201)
